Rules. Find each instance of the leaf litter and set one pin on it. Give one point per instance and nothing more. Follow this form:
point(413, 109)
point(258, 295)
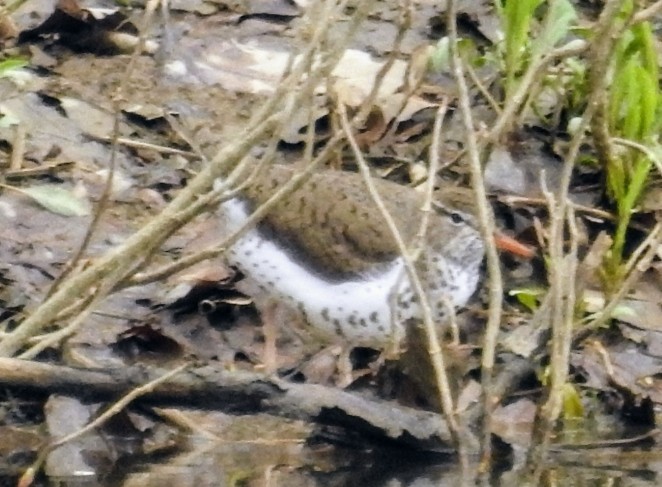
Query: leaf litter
point(212, 85)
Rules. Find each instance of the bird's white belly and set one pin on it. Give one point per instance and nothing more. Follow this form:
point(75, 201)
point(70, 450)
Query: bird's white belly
point(357, 310)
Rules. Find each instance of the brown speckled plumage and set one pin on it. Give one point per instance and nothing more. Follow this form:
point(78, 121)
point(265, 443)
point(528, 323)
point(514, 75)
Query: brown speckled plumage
point(326, 249)
point(336, 226)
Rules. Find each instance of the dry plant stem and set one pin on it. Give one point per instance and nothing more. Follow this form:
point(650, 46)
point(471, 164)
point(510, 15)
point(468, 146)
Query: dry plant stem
point(452, 323)
point(113, 266)
point(431, 335)
point(179, 130)
point(602, 48)
point(310, 130)
point(604, 356)
point(118, 263)
point(603, 444)
point(527, 201)
point(255, 218)
point(18, 148)
point(112, 411)
point(107, 190)
point(204, 203)
point(486, 224)
point(98, 212)
point(559, 208)
point(641, 148)
point(59, 335)
point(597, 82)
point(533, 73)
point(635, 259)
point(66, 313)
point(432, 171)
point(38, 171)
point(73, 310)
point(330, 58)
point(139, 144)
point(184, 422)
point(303, 68)
point(120, 405)
point(651, 245)
point(648, 13)
point(483, 90)
point(404, 24)
point(598, 52)
point(167, 34)
point(434, 164)
point(436, 353)
point(562, 273)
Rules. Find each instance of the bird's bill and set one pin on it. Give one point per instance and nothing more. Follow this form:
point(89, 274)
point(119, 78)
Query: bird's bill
point(509, 244)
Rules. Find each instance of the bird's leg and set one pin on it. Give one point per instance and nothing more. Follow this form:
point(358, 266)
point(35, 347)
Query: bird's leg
point(270, 333)
point(344, 367)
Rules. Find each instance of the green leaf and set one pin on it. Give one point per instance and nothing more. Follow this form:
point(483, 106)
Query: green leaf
point(527, 297)
point(11, 64)
point(572, 402)
point(58, 200)
point(630, 106)
point(646, 45)
point(642, 168)
point(616, 179)
point(439, 60)
point(557, 25)
point(516, 18)
point(648, 101)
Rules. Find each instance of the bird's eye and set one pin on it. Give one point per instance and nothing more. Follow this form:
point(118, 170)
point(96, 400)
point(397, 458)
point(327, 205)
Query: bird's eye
point(457, 218)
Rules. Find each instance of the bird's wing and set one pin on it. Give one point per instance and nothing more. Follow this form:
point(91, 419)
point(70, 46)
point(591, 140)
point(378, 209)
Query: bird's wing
point(332, 224)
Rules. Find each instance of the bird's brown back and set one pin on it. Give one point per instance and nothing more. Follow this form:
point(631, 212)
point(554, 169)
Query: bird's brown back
point(333, 225)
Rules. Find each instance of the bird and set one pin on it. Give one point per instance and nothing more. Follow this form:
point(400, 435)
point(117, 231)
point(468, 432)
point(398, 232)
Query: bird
point(326, 250)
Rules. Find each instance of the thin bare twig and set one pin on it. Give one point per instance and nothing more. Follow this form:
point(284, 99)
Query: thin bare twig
point(483, 90)
point(599, 50)
point(655, 159)
point(528, 201)
point(38, 171)
point(515, 102)
point(486, 227)
point(446, 398)
point(121, 405)
point(562, 274)
point(647, 14)
point(18, 148)
point(82, 312)
point(435, 163)
point(161, 149)
point(637, 268)
point(104, 199)
point(116, 408)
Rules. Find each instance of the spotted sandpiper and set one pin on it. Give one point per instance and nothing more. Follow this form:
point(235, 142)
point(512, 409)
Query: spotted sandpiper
point(326, 250)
